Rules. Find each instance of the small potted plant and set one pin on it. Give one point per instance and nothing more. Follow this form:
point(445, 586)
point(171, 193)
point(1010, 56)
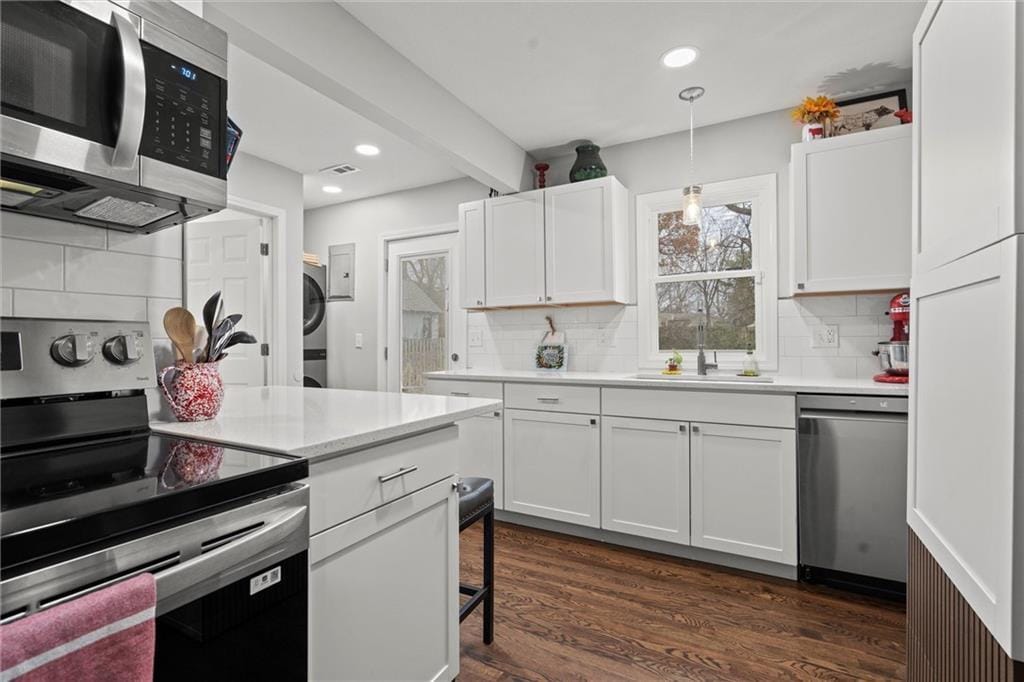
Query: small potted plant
point(815, 113)
point(673, 362)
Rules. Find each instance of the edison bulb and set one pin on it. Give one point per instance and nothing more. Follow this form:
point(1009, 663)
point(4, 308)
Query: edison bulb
point(691, 205)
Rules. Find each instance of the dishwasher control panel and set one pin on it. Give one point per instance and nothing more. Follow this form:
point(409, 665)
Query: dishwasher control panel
point(854, 403)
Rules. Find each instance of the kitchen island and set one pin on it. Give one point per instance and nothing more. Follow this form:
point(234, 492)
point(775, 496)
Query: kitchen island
point(383, 518)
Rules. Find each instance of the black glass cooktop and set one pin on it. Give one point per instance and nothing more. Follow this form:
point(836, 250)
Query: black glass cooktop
point(55, 500)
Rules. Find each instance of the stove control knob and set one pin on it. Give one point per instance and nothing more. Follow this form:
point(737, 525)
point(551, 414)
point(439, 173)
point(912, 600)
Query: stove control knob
point(73, 350)
point(122, 349)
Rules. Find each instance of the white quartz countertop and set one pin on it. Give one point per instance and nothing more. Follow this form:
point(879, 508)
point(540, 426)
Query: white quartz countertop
point(317, 423)
point(780, 384)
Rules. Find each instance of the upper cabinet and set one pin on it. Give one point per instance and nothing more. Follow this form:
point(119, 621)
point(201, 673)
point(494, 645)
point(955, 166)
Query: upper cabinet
point(514, 249)
point(560, 245)
point(851, 212)
point(964, 165)
point(471, 236)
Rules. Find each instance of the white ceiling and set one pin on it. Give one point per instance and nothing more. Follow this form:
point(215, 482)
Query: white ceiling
point(546, 73)
point(291, 124)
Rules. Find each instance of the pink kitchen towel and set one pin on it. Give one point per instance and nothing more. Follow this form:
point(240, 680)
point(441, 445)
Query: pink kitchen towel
point(108, 635)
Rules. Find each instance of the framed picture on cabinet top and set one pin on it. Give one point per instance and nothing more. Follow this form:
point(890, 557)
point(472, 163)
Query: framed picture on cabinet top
point(870, 112)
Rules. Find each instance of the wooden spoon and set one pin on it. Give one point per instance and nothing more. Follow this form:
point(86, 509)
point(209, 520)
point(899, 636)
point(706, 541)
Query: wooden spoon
point(181, 329)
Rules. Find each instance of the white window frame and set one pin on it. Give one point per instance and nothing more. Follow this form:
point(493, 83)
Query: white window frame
point(761, 191)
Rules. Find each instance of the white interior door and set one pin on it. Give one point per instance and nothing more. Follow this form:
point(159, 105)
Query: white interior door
point(223, 254)
point(425, 332)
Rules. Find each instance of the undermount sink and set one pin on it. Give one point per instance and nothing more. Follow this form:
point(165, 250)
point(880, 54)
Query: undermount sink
point(730, 378)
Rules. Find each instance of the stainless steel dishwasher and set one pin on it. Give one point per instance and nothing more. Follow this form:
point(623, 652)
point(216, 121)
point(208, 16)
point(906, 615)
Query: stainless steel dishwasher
point(852, 469)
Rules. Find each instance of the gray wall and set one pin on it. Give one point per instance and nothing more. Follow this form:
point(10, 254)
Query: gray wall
point(363, 222)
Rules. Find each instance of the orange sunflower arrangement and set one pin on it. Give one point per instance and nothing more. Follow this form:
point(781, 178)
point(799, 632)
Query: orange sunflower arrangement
point(815, 113)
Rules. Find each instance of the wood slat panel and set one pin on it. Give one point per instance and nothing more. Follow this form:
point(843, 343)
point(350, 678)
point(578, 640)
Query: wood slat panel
point(945, 638)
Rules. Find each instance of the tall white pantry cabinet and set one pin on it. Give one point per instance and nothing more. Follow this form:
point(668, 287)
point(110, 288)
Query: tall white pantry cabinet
point(966, 450)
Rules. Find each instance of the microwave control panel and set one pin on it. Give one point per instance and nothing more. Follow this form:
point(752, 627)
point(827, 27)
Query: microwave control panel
point(186, 118)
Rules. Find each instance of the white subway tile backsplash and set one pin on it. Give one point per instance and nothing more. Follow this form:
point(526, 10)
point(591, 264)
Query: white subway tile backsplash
point(800, 347)
point(165, 243)
point(857, 346)
point(854, 326)
point(121, 273)
point(155, 309)
point(52, 231)
point(31, 265)
point(830, 368)
point(31, 303)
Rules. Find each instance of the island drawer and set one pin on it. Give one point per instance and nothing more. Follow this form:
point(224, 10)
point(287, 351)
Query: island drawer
point(553, 398)
point(720, 407)
point(464, 389)
point(348, 485)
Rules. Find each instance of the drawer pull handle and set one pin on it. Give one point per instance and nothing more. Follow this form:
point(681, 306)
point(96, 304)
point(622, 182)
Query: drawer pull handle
point(461, 394)
point(696, 429)
point(682, 428)
point(398, 474)
point(547, 400)
point(497, 414)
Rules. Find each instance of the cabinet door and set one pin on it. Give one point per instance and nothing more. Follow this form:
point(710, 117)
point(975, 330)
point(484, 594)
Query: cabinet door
point(481, 449)
point(384, 592)
point(965, 172)
point(514, 244)
point(552, 466)
point(743, 483)
point(579, 246)
point(645, 478)
point(851, 212)
point(471, 241)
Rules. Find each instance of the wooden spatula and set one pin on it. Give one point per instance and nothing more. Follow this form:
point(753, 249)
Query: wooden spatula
point(181, 330)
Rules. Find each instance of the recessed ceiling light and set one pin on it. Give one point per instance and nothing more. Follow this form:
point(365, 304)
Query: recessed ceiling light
point(331, 189)
point(367, 150)
point(680, 56)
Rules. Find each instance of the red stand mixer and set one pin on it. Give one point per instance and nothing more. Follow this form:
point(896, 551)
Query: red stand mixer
point(894, 354)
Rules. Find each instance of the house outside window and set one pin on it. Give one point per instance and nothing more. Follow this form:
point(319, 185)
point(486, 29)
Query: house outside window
point(722, 273)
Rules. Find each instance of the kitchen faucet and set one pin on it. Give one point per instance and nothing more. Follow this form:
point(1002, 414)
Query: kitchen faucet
point(702, 364)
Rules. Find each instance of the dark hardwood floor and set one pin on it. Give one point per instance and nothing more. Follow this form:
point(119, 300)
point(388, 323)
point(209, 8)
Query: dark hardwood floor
point(573, 609)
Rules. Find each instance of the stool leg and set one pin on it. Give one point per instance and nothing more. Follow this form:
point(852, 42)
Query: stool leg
point(489, 576)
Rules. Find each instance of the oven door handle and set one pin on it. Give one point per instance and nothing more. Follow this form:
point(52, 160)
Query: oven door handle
point(133, 97)
point(180, 584)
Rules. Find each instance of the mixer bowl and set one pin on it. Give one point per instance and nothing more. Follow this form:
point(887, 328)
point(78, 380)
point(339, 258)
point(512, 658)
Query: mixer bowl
point(894, 357)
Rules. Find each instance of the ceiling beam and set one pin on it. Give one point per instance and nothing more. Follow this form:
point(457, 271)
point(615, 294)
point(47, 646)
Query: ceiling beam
point(326, 48)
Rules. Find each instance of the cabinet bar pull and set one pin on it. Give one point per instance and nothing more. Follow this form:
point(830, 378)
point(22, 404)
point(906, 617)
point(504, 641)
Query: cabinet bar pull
point(696, 429)
point(593, 422)
point(497, 414)
point(461, 394)
point(398, 474)
point(547, 400)
point(682, 428)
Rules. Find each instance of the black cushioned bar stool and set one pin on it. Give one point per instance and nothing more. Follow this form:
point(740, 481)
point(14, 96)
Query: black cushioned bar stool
point(476, 501)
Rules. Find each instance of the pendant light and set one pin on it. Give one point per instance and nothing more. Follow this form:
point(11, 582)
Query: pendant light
point(692, 192)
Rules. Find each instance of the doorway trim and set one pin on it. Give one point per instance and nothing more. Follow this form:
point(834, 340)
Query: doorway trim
point(383, 241)
point(276, 296)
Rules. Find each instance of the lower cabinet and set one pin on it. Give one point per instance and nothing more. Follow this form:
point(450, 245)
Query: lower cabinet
point(553, 466)
point(480, 451)
point(384, 591)
point(743, 485)
point(645, 478)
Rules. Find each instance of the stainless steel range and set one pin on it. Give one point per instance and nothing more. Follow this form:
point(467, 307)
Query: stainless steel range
point(90, 497)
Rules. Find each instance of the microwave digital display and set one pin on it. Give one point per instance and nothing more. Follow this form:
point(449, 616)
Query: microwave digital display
point(186, 72)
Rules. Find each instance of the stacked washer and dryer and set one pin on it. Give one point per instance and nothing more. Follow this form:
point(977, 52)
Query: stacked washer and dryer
point(314, 325)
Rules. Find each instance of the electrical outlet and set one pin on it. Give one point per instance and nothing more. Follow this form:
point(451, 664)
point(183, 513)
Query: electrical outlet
point(825, 336)
point(476, 338)
point(359, 340)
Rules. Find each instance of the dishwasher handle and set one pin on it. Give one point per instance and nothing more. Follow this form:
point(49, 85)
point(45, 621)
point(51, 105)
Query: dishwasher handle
point(878, 417)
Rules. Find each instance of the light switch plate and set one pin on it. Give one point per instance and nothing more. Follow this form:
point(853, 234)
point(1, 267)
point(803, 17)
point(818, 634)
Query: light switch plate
point(359, 339)
point(825, 336)
point(476, 338)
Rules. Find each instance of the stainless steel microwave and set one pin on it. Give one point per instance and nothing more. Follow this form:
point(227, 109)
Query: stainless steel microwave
point(114, 113)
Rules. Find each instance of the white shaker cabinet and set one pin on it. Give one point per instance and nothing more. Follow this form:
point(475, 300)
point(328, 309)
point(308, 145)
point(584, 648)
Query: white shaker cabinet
point(471, 241)
point(586, 242)
point(514, 249)
point(553, 466)
point(851, 213)
point(385, 588)
point(965, 172)
point(645, 478)
point(743, 487)
point(480, 451)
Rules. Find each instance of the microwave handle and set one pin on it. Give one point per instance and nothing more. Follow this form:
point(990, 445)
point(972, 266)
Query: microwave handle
point(133, 100)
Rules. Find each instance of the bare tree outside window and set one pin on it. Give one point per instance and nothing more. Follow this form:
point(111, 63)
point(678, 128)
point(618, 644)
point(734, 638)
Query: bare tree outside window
point(723, 243)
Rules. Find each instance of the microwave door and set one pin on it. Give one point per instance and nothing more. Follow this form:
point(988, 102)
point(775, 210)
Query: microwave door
point(73, 93)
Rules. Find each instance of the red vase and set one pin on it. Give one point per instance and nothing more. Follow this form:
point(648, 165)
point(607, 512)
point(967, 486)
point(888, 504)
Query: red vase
point(194, 391)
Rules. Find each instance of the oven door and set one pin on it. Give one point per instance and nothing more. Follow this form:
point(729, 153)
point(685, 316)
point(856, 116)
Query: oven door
point(73, 86)
point(232, 589)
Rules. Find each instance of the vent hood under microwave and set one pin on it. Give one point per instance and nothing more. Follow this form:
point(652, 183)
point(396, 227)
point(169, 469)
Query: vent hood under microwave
point(114, 113)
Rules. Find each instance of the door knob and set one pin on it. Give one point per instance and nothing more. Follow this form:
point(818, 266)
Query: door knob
point(455, 357)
